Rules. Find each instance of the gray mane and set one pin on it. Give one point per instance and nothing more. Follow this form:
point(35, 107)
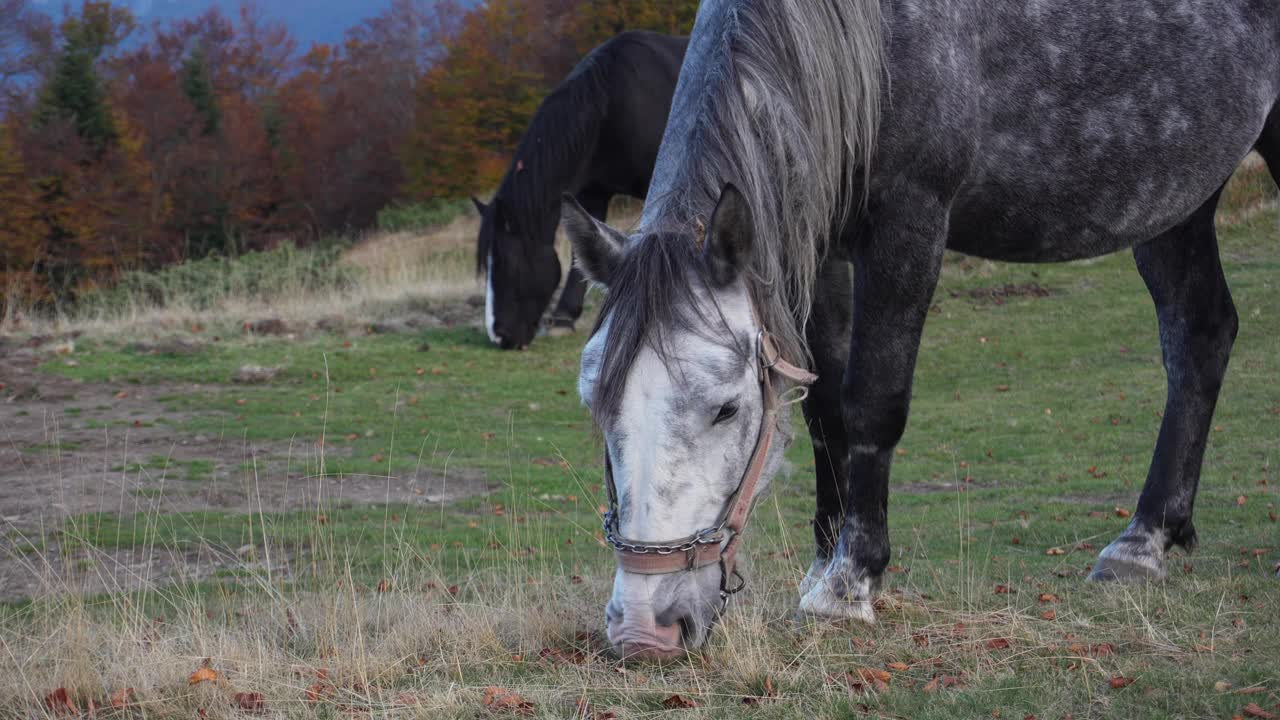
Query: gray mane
point(781, 98)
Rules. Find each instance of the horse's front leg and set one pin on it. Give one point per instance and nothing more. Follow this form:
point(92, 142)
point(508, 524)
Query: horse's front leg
point(828, 338)
point(572, 298)
point(896, 265)
point(1197, 328)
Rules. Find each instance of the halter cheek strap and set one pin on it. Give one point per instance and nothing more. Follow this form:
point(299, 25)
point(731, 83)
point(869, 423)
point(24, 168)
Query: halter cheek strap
point(717, 544)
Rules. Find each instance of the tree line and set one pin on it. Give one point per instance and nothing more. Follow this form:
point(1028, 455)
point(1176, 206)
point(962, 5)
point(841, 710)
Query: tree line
point(124, 146)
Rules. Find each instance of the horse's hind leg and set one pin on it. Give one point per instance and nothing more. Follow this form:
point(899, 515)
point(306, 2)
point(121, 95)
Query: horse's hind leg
point(1197, 328)
point(569, 307)
point(1268, 145)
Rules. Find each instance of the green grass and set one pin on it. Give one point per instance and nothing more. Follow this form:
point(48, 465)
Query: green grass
point(1045, 409)
point(258, 276)
point(421, 216)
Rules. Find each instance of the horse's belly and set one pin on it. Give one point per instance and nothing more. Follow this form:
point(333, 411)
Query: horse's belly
point(1035, 223)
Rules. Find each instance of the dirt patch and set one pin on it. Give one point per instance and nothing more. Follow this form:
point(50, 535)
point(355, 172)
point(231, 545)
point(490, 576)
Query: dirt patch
point(940, 486)
point(68, 448)
point(1001, 294)
point(129, 456)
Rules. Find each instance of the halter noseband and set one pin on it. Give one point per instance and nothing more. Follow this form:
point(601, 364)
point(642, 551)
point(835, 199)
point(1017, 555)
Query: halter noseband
point(719, 543)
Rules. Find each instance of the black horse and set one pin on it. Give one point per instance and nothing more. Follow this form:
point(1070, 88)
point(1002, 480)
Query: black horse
point(810, 135)
point(595, 136)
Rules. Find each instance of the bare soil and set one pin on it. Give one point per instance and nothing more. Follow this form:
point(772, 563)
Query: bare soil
point(68, 448)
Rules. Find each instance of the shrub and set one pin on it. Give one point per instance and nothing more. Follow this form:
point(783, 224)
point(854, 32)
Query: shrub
point(420, 216)
point(208, 282)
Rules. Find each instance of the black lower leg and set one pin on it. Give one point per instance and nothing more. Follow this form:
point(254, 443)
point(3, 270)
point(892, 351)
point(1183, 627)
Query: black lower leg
point(897, 265)
point(828, 334)
point(1197, 328)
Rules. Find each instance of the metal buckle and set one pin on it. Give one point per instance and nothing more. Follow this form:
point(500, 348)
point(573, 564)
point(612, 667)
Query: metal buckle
point(766, 363)
point(726, 591)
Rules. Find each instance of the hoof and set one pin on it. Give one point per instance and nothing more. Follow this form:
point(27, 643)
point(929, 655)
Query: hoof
point(814, 576)
point(820, 597)
point(1129, 558)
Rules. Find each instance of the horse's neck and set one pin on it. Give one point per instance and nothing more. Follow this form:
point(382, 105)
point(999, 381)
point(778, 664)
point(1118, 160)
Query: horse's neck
point(562, 170)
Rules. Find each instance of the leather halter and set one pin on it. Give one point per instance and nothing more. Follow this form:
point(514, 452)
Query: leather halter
point(719, 543)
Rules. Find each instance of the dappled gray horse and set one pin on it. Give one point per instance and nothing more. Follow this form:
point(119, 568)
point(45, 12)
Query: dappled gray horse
point(808, 134)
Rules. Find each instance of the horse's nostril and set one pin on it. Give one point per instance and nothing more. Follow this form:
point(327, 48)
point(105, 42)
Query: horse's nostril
point(686, 631)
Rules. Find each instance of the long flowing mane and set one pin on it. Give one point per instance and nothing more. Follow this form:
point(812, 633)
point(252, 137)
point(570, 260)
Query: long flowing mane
point(781, 98)
point(559, 139)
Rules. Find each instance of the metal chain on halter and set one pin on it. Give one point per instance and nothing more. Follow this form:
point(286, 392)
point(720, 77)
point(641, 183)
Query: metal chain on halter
point(710, 536)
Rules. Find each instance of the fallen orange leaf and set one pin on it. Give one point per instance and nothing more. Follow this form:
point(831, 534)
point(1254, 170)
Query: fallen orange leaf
point(1119, 682)
point(60, 701)
point(204, 674)
point(871, 675)
point(498, 699)
point(1252, 710)
point(320, 691)
point(122, 698)
point(998, 644)
point(1049, 615)
point(679, 702)
point(252, 702)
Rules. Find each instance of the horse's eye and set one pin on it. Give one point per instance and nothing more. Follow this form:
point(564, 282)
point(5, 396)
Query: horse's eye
point(727, 411)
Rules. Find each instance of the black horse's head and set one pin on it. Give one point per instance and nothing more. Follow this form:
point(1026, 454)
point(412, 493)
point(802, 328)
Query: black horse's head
point(522, 272)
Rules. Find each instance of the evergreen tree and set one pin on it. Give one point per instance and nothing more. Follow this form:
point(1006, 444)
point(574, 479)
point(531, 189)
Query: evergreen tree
point(75, 94)
point(197, 84)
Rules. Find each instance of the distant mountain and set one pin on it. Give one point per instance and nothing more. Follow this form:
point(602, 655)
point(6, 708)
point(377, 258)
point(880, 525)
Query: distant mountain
point(310, 21)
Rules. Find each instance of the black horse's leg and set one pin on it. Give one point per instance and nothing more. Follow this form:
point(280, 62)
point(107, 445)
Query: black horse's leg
point(896, 266)
point(569, 307)
point(828, 338)
point(1197, 328)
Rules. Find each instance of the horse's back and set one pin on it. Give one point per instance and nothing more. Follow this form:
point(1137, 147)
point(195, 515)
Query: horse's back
point(1074, 128)
point(642, 68)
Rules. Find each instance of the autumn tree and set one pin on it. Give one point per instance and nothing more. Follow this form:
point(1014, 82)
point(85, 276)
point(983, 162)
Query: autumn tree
point(598, 20)
point(85, 162)
point(20, 230)
point(473, 105)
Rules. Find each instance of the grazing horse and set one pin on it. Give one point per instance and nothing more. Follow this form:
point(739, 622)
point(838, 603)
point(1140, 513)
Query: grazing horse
point(595, 136)
point(808, 136)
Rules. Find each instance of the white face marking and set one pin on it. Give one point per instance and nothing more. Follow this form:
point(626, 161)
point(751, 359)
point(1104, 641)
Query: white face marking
point(488, 299)
point(674, 469)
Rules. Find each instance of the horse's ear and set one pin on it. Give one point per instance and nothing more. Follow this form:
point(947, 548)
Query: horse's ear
point(597, 248)
point(480, 207)
point(730, 237)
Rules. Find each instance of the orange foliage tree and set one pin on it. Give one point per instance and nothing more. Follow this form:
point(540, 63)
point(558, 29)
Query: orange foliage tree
point(20, 228)
point(213, 134)
point(473, 105)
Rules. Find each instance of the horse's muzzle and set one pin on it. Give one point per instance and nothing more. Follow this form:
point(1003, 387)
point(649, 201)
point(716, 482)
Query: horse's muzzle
point(656, 643)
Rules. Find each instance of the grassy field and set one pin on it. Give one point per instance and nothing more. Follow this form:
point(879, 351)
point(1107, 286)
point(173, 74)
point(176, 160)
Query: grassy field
point(404, 524)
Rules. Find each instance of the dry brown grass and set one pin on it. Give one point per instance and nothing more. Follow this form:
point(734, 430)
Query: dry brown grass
point(424, 649)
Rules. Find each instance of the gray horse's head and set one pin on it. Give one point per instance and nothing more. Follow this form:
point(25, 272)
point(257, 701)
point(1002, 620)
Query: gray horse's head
point(671, 378)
